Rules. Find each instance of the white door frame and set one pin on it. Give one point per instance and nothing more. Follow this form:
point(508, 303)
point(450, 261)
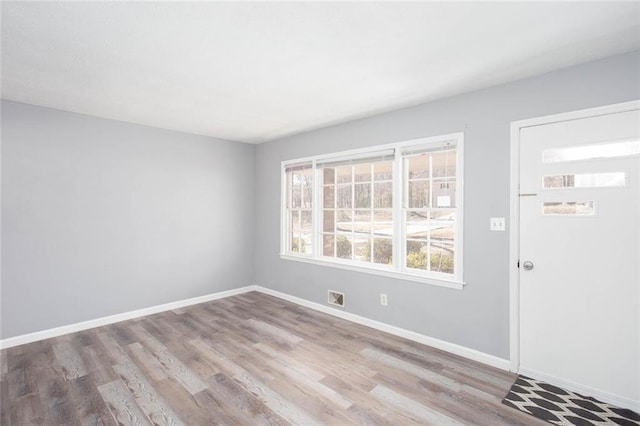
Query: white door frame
point(514, 227)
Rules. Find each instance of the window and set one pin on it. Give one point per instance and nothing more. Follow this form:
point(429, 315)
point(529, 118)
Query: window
point(394, 210)
point(357, 209)
point(299, 208)
point(430, 210)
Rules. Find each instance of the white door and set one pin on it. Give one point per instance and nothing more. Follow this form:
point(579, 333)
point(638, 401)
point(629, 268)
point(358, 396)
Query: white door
point(579, 255)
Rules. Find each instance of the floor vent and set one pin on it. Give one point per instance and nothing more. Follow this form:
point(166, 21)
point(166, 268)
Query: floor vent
point(336, 298)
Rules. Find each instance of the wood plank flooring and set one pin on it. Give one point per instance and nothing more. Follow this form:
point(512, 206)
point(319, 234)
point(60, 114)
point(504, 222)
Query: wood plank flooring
point(250, 359)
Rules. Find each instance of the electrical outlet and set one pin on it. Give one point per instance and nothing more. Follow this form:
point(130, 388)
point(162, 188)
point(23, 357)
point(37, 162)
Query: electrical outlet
point(383, 299)
point(497, 224)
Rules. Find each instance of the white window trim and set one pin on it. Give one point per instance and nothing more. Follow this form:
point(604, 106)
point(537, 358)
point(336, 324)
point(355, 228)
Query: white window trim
point(399, 269)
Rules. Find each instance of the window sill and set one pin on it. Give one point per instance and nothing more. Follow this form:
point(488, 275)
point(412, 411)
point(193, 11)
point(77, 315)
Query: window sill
point(375, 271)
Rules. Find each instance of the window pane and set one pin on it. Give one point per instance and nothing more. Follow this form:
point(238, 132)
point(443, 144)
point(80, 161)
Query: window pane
point(307, 188)
point(586, 180)
point(444, 163)
point(441, 260)
point(343, 247)
point(328, 245)
point(362, 196)
point(328, 221)
point(417, 225)
point(442, 233)
point(444, 193)
point(362, 247)
point(418, 166)
point(417, 254)
point(569, 208)
point(294, 219)
point(297, 244)
point(329, 176)
point(362, 172)
point(328, 197)
point(344, 220)
point(382, 251)
point(383, 223)
point(296, 196)
point(418, 193)
point(383, 170)
point(591, 152)
point(306, 221)
point(344, 196)
point(362, 221)
point(383, 195)
point(343, 174)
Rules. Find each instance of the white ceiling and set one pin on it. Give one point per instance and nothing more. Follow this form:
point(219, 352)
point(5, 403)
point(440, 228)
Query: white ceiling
point(253, 72)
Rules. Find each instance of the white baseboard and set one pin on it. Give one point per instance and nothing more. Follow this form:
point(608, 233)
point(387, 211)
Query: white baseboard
point(85, 325)
point(462, 351)
point(610, 398)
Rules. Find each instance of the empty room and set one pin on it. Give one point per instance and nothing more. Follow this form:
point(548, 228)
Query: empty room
point(320, 213)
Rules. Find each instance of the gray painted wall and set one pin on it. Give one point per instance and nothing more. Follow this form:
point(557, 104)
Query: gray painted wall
point(101, 217)
point(478, 316)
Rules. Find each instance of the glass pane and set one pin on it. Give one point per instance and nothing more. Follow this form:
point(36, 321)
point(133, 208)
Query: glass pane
point(362, 221)
point(383, 195)
point(306, 221)
point(440, 260)
point(328, 196)
point(289, 179)
point(328, 220)
point(418, 166)
point(307, 188)
point(329, 176)
point(344, 220)
point(343, 247)
point(297, 244)
point(444, 193)
point(586, 180)
point(327, 245)
point(344, 216)
point(383, 223)
point(343, 174)
point(362, 195)
point(362, 249)
point(382, 251)
point(417, 225)
point(569, 208)
point(296, 196)
point(444, 163)
point(294, 219)
point(383, 170)
point(417, 254)
point(418, 194)
point(362, 172)
point(442, 234)
point(592, 152)
point(344, 196)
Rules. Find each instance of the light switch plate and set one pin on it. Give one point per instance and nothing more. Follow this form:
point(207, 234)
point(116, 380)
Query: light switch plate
point(497, 224)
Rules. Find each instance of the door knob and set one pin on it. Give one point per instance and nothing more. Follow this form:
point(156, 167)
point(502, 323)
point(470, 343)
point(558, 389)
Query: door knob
point(527, 266)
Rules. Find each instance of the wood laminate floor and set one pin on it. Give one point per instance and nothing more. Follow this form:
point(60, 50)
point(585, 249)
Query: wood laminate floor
point(250, 359)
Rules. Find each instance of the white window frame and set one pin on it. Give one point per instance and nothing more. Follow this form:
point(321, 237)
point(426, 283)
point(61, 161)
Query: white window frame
point(399, 269)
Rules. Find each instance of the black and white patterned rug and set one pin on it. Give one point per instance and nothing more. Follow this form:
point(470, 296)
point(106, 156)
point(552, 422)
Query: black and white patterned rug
point(562, 407)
